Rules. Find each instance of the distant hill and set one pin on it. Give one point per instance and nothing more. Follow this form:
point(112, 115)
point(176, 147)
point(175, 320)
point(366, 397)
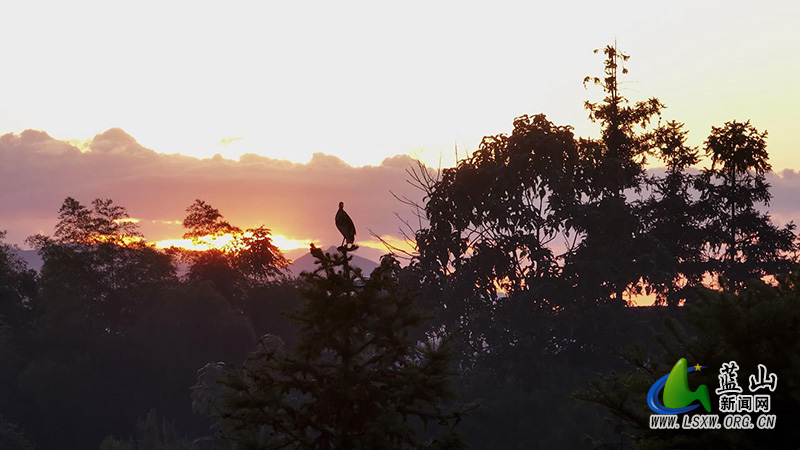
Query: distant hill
point(307, 263)
point(31, 258)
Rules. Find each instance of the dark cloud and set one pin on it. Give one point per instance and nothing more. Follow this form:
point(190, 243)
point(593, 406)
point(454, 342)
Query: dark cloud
point(297, 200)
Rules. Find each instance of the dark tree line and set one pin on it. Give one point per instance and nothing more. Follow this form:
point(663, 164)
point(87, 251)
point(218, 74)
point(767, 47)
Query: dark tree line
point(358, 377)
point(535, 242)
point(104, 346)
point(566, 224)
point(108, 331)
point(540, 204)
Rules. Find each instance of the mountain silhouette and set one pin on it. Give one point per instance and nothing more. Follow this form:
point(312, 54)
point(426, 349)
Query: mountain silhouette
point(305, 262)
point(308, 263)
point(31, 258)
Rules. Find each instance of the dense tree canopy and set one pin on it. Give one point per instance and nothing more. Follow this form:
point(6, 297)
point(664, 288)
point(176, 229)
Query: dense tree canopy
point(98, 273)
point(534, 242)
point(107, 331)
point(248, 260)
point(743, 242)
point(355, 380)
point(758, 326)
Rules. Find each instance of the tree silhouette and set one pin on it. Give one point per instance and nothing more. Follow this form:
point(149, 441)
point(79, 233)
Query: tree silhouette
point(17, 292)
point(111, 332)
point(249, 260)
point(13, 438)
point(152, 434)
point(97, 280)
point(492, 221)
point(743, 242)
point(203, 220)
point(612, 255)
point(17, 284)
point(355, 380)
point(96, 269)
point(674, 217)
point(616, 162)
point(757, 326)
point(534, 242)
point(105, 222)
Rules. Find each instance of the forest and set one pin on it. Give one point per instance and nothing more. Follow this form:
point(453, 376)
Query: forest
point(510, 325)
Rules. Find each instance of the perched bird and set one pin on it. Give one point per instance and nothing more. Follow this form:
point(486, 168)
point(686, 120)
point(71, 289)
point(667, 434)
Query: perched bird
point(345, 225)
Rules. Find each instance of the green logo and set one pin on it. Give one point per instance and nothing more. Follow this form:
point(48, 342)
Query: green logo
point(677, 395)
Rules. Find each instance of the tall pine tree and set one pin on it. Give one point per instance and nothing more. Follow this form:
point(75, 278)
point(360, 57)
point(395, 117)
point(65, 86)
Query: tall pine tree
point(613, 253)
point(357, 378)
point(743, 243)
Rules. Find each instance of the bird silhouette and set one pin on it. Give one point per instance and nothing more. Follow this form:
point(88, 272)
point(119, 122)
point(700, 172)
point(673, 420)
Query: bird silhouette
point(345, 225)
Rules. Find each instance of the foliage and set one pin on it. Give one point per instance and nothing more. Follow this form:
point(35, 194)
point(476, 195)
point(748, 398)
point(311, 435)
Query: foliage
point(674, 218)
point(17, 289)
point(12, 437)
point(98, 273)
point(492, 217)
point(152, 434)
point(266, 307)
point(524, 390)
point(534, 243)
point(187, 327)
point(17, 282)
point(757, 326)
point(743, 243)
point(248, 261)
point(203, 220)
point(103, 223)
point(542, 213)
point(491, 222)
point(613, 253)
point(355, 380)
point(107, 331)
point(616, 162)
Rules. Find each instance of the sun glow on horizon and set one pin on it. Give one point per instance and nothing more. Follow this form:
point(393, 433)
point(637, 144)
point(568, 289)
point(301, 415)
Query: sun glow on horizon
point(381, 242)
point(286, 243)
point(224, 241)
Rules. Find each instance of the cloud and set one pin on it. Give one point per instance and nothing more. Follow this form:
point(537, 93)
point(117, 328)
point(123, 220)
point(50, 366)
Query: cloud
point(784, 206)
point(298, 201)
point(295, 200)
point(228, 141)
point(118, 142)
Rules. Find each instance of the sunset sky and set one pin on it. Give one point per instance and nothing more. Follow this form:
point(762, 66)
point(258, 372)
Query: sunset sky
point(324, 96)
